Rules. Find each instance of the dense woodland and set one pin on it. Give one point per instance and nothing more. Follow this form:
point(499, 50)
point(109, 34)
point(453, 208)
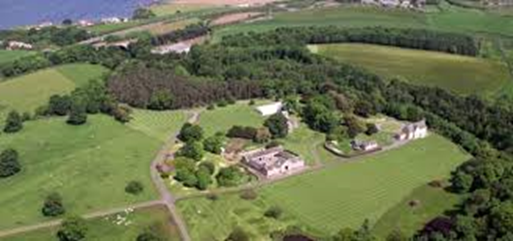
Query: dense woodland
point(278, 65)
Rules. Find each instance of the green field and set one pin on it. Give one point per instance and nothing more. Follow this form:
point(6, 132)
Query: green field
point(157, 124)
point(461, 74)
point(447, 18)
point(28, 92)
point(170, 8)
point(105, 228)
point(8, 56)
point(89, 165)
point(303, 141)
point(432, 202)
point(341, 195)
point(221, 119)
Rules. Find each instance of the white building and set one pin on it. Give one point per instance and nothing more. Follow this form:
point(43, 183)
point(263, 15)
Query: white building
point(85, 23)
point(273, 162)
point(413, 131)
point(12, 45)
point(270, 109)
point(179, 48)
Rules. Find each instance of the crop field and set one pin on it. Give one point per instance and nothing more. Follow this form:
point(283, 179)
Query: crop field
point(88, 165)
point(170, 8)
point(409, 219)
point(341, 195)
point(157, 124)
point(221, 119)
point(105, 229)
point(461, 74)
point(27, 92)
point(449, 18)
point(164, 27)
point(7, 55)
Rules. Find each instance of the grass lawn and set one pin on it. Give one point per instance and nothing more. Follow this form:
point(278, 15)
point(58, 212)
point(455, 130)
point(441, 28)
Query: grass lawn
point(342, 195)
point(157, 124)
point(8, 56)
point(221, 119)
point(461, 74)
point(155, 219)
point(89, 165)
point(449, 18)
point(303, 141)
point(432, 202)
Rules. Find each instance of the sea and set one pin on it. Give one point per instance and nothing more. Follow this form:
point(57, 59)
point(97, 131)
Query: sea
point(14, 13)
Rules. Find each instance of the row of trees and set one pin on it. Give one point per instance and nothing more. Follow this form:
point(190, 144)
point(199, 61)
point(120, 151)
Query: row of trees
point(60, 36)
point(407, 38)
point(189, 32)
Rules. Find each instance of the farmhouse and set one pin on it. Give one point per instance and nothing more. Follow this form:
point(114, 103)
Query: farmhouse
point(270, 109)
point(273, 162)
point(413, 131)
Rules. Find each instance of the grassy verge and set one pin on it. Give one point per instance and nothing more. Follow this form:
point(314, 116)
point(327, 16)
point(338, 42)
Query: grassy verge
point(8, 56)
point(461, 74)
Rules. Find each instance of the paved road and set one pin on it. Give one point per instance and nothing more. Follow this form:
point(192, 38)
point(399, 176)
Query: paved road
point(166, 196)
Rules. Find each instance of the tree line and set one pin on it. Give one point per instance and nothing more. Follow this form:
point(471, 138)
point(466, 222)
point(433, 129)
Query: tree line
point(425, 39)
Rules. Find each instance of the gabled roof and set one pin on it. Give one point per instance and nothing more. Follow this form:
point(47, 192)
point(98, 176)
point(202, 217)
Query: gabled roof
point(270, 109)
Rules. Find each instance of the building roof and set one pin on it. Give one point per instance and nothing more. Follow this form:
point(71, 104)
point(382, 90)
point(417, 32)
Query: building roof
point(270, 109)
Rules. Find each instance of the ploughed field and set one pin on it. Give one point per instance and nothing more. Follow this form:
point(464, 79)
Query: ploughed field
point(461, 74)
point(340, 195)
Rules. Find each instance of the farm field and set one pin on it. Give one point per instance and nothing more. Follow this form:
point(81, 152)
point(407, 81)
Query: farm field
point(431, 203)
point(7, 55)
point(30, 91)
point(113, 27)
point(319, 200)
point(221, 119)
point(461, 74)
point(155, 218)
point(88, 165)
point(170, 8)
point(448, 18)
point(164, 27)
point(157, 124)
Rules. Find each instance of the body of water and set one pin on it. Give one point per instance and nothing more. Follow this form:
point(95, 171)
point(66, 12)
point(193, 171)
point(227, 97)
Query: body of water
point(29, 12)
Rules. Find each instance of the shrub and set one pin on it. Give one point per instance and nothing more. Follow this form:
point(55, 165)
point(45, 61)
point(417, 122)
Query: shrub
point(222, 103)
point(148, 236)
point(77, 113)
point(213, 144)
point(211, 167)
point(53, 206)
point(190, 132)
point(238, 234)
point(278, 125)
point(229, 176)
point(371, 129)
point(249, 194)
point(273, 212)
point(192, 150)
point(73, 229)
point(13, 123)
point(9, 164)
point(134, 187)
point(244, 132)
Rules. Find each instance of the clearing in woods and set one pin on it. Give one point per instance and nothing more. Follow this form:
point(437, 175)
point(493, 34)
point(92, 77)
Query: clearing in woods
point(461, 74)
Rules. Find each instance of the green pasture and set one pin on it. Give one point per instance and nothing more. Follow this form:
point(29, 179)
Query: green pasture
point(221, 119)
point(89, 165)
point(303, 141)
point(461, 74)
point(8, 55)
point(160, 125)
point(28, 92)
point(432, 202)
point(340, 195)
point(446, 18)
point(155, 219)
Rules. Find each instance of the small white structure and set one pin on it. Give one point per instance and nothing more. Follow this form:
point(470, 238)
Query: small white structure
point(85, 23)
point(12, 45)
point(270, 109)
point(364, 145)
point(413, 131)
point(114, 20)
point(179, 48)
point(273, 162)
